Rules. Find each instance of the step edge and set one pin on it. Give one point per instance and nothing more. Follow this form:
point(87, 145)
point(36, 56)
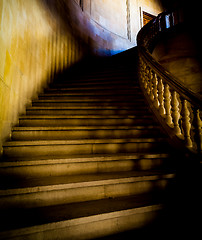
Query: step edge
point(83, 184)
point(81, 142)
point(79, 221)
point(92, 116)
point(82, 160)
point(86, 128)
point(86, 108)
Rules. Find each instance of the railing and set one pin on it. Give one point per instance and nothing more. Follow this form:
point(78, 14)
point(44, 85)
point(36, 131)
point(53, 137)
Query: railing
point(177, 108)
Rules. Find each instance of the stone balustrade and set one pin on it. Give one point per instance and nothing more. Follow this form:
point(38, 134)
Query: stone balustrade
point(177, 108)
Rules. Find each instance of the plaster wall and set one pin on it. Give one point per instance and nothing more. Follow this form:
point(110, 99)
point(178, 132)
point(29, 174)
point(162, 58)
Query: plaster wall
point(119, 21)
point(111, 15)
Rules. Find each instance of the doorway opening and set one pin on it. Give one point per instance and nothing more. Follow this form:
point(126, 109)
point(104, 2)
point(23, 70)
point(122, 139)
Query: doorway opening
point(147, 17)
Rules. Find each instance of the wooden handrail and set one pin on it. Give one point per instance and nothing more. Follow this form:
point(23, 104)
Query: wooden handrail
point(177, 108)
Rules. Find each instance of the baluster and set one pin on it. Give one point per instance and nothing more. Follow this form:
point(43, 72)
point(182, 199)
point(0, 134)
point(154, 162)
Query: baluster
point(144, 81)
point(160, 88)
point(151, 76)
point(155, 84)
point(175, 112)
point(167, 103)
point(147, 80)
point(197, 124)
point(143, 67)
point(186, 126)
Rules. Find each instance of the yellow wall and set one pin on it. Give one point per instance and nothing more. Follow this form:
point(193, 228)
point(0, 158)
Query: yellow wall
point(32, 47)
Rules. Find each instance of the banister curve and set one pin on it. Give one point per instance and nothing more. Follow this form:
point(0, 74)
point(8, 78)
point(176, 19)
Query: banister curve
point(177, 108)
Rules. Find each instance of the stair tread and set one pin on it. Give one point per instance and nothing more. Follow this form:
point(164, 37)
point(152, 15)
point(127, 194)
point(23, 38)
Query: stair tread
point(41, 160)
point(53, 183)
point(92, 88)
point(85, 107)
point(123, 116)
point(91, 127)
point(110, 94)
point(82, 141)
point(92, 98)
point(97, 209)
point(88, 100)
point(95, 92)
point(99, 81)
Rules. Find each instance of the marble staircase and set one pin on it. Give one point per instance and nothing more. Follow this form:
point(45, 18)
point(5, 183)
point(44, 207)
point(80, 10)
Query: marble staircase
point(87, 160)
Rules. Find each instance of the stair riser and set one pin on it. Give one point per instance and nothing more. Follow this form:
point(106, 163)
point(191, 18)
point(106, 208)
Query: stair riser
point(86, 112)
point(80, 194)
point(76, 168)
point(104, 148)
point(82, 134)
point(90, 228)
point(83, 122)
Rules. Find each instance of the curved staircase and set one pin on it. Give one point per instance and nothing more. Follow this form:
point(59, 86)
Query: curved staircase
point(87, 161)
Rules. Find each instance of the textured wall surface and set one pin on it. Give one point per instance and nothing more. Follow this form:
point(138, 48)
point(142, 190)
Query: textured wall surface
point(33, 46)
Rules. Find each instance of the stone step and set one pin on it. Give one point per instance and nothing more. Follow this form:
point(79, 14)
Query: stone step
point(94, 81)
point(78, 103)
point(85, 132)
point(99, 82)
point(25, 168)
point(117, 73)
point(84, 120)
point(98, 99)
point(94, 86)
point(97, 91)
point(110, 97)
point(142, 110)
point(86, 146)
point(90, 219)
point(52, 191)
